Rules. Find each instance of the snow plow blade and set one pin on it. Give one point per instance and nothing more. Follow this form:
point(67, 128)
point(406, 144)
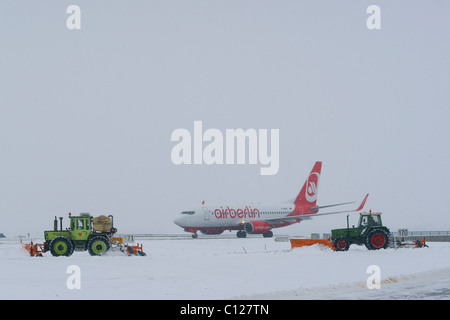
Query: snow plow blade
point(136, 250)
point(34, 249)
point(296, 243)
point(410, 244)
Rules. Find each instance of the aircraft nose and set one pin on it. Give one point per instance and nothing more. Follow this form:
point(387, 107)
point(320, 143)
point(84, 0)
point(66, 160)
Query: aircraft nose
point(179, 221)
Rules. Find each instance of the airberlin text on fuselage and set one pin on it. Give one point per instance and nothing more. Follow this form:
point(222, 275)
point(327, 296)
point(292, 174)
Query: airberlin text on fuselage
point(228, 212)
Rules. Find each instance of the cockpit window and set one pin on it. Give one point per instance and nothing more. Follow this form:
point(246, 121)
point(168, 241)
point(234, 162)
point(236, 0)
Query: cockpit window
point(188, 212)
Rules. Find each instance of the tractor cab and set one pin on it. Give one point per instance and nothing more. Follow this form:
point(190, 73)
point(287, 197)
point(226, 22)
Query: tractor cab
point(81, 222)
point(85, 224)
point(80, 226)
point(370, 218)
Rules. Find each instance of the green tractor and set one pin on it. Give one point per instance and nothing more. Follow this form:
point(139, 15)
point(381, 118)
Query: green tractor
point(369, 232)
point(85, 233)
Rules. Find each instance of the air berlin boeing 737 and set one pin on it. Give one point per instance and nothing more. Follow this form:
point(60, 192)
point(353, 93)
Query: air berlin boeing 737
point(256, 218)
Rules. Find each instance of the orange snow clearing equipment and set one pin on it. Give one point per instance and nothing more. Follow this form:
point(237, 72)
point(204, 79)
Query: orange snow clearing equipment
point(35, 250)
point(296, 243)
point(400, 243)
point(127, 248)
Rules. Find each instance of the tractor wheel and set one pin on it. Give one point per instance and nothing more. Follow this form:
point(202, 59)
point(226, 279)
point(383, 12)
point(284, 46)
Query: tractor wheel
point(377, 239)
point(341, 244)
point(61, 246)
point(98, 245)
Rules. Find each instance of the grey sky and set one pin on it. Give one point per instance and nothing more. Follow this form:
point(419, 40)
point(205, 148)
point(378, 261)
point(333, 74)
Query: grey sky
point(86, 115)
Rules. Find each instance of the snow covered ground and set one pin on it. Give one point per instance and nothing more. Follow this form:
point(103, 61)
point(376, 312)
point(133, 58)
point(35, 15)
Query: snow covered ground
point(251, 268)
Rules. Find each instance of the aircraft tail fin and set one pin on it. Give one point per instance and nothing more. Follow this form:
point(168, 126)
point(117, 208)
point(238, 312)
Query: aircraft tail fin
point(307, 196)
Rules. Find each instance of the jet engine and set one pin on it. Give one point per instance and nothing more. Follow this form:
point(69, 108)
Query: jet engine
point(256, 227)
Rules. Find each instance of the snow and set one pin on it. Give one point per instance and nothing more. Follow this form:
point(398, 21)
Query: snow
point(251, 268)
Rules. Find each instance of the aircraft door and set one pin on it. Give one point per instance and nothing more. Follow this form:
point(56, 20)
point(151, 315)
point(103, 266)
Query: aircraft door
point(206, 213)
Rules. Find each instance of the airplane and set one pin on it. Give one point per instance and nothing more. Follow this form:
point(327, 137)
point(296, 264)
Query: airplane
point(257, 218)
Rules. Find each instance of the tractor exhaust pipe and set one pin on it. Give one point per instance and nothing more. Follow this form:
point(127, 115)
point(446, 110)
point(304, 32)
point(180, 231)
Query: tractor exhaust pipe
point(55, 224)
point(60, 223)
point(112, 221)
point(348, 228)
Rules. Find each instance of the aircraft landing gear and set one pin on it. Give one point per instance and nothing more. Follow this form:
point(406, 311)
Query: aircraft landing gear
point(268, 234)
point(194, 236)
point(241, 234)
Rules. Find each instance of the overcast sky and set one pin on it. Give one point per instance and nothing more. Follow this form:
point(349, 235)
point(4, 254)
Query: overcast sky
point(86, 115)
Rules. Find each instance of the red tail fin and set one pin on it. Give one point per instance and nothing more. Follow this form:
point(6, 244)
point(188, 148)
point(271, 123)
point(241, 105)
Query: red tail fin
point(308, 194)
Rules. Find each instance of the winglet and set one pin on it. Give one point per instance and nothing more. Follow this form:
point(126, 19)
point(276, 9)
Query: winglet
point(362, 203)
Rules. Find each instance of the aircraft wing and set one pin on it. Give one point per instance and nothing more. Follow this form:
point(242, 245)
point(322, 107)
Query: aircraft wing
point(275, 220)
point(331, 205)
point(309, 216)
